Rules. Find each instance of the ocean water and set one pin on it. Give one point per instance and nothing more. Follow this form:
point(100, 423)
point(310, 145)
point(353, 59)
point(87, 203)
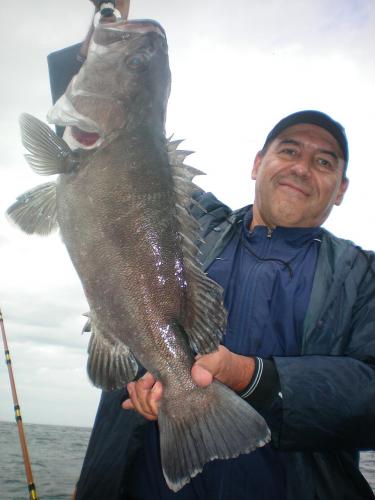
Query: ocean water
point(56, 455)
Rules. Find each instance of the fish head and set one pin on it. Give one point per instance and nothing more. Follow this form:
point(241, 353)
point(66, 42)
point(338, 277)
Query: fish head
point(124, 84)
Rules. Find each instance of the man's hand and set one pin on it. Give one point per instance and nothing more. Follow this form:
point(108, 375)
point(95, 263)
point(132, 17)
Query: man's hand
point(144, 396)
point(233, 370)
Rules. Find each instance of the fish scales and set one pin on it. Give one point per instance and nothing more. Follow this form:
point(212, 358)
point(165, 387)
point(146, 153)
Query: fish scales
point(141, 226)
point(121, 202)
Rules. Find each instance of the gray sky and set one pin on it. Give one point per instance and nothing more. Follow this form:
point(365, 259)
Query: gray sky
point(237, 68)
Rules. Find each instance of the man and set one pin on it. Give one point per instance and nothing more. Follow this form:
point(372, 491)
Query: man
point(299, 346)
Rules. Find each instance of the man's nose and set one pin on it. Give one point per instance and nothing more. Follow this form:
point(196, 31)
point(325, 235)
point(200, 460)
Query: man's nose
point(302, 166)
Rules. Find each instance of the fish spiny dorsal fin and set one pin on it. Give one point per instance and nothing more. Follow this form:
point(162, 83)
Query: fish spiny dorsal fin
point(204, 317)
point(173, 145)
point(35, 211)
point(49, 154)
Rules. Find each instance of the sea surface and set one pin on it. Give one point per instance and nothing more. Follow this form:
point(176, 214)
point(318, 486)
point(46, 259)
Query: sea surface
point(56, 455)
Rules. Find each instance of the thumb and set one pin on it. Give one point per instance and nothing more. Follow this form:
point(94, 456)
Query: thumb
point(201, 376)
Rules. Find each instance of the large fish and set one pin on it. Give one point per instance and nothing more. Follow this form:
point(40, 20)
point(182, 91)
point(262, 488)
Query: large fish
point(121, 201)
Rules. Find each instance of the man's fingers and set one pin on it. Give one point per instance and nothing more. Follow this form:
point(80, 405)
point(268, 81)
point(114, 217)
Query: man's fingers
point(149, 393)
point(148, 380)
point(127, 404)
point(144, 396)
point(138, 395)
point(138, 400)
point(156, 394)
point(142, 389)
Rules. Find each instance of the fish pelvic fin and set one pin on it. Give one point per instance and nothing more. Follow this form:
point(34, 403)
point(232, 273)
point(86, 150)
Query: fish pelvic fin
point(111, 364)
point(217, 424)
point(204, 318)
point(48, 153)
point(87, 326)
point(35, 211)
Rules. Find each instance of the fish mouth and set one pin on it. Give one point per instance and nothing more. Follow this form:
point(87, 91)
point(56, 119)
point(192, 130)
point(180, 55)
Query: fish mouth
point(87, 139)
point(79, 139)
point(80, 130)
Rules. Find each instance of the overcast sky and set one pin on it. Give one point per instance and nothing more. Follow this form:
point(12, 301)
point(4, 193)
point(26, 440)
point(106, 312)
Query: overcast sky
point(237, 68)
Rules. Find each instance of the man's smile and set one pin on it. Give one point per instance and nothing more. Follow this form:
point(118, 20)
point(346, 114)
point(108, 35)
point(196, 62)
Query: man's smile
point(295, 187)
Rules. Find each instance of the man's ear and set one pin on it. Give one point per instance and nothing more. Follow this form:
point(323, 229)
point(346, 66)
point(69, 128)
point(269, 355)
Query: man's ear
point(342, 190)
point(256, 165)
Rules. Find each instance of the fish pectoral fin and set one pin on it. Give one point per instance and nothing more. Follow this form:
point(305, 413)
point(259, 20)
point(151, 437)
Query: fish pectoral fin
point(110, 365)
point(35, 211)
point(49, 154)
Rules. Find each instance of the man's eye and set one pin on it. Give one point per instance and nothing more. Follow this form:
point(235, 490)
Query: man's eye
point(289, 151)
point(322, 162)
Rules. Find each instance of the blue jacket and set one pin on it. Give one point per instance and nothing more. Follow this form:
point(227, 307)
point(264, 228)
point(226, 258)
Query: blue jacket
point(328, 391)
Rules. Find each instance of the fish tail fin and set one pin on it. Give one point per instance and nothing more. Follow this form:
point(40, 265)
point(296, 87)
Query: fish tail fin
point(216, 424)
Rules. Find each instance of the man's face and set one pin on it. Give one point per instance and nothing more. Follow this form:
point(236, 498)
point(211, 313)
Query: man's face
point(298, 178)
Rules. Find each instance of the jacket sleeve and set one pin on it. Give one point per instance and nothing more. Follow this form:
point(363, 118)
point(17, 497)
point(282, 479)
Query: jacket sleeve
point(329, 400)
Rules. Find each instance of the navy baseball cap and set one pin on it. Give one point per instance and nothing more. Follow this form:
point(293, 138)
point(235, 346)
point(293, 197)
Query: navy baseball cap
point(313, 117)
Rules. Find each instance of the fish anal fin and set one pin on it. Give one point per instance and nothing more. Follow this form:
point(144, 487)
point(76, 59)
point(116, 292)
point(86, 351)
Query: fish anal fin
point(35, 211)
point(111, 364)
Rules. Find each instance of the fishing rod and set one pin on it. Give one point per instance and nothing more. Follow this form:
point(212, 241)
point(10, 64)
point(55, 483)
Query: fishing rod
point(17, 411)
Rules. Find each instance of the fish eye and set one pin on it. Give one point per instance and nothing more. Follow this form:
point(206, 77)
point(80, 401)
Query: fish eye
point(137, 61)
